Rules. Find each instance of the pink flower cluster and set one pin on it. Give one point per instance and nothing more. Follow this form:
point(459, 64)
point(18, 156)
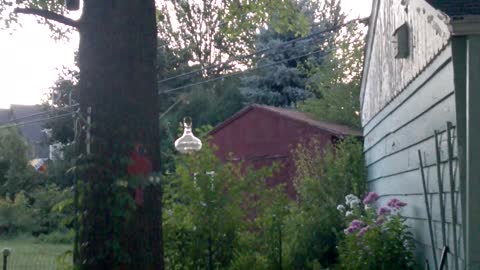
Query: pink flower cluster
point(357, 225)
point(363, 231)
point(393, 204)
point(370, 198)
point(396, 204)
point(382, 211)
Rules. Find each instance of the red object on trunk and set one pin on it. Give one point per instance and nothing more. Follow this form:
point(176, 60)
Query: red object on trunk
point(140, 166)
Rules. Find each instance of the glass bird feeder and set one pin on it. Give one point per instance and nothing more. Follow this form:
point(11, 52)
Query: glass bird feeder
point(188, 143)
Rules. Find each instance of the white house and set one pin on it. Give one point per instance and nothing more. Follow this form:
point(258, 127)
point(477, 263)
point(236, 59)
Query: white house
point(422, 70)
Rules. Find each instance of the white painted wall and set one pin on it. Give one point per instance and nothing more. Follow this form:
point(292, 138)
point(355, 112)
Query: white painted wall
point(385, 77)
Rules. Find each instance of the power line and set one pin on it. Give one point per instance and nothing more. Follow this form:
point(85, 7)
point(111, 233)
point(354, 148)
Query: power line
point(37, 114)
point(36, 121)
point(243, 57)
point(240, 72)
point(171, 107)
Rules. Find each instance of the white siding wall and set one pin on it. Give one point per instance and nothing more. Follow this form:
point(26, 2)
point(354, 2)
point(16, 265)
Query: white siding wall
point(395, 134)
point(385, 77)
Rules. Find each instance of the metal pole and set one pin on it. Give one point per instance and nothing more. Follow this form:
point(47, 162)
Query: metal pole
point(428, 210)
point(89, 124)
point(444, 258)
point(280, 244)
point(440, 190)
point(5, 252)
point(210, 253)
point(452, 192)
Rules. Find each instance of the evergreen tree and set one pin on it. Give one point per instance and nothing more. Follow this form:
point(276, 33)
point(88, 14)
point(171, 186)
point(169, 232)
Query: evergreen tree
point(282, 83)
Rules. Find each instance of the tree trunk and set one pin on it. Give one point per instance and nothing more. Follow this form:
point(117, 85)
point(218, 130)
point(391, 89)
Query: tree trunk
point(117, 61)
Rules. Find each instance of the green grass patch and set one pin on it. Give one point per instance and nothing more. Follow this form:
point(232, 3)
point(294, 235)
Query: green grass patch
point(27, 253)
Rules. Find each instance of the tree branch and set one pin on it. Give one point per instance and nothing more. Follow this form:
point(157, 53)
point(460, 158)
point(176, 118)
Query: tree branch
point(49, 15)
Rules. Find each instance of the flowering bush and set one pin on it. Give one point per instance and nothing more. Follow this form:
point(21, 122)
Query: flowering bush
point(375, 239)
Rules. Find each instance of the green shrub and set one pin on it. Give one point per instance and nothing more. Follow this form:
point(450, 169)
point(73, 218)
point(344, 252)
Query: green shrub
point(57, 237)
point(53, 208)
point(322, 179)
point(44, 210)
point(219, 214)
point(375, 239)
point(17, 215)
point(249, 260)
point(15, 172)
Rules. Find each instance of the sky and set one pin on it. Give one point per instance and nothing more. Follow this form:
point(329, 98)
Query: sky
point(30, 60)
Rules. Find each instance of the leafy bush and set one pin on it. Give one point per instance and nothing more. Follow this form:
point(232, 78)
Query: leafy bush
point(322, 179)
point(375, 239)
point(16, 215)
point(15, 172)
point(221, 215)
point(44, 210)
point(58, 237)
point(251, 260)
point(201, 219)
point(53, 208)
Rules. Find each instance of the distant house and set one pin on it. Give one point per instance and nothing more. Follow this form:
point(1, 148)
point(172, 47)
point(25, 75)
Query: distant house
point(422, 69)
point(259, 135)
point(32, 130)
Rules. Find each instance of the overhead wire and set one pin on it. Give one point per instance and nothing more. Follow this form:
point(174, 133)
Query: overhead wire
point(240, 72)
point(39, 113)
point(35, 121)
point(221, 65)
point(171, 107)
point(243, 57)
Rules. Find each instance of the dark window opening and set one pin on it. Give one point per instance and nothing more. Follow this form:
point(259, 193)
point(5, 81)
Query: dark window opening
point(402, 36)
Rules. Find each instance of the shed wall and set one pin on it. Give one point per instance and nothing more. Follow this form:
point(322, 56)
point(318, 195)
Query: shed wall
point(260, 137)
point(392, 138)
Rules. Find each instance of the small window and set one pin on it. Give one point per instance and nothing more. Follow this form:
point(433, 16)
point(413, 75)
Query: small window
point(402, 36)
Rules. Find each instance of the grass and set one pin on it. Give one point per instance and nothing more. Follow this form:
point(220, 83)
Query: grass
point(27, 253)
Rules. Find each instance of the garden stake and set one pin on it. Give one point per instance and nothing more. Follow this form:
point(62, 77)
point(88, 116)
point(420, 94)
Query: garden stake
point(452, 190)
point(440, 190)
point(428, 209)
point(443, 258)
point(5, 252)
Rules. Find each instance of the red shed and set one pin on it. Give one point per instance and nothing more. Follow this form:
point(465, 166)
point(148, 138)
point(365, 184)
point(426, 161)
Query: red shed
point(260, 135)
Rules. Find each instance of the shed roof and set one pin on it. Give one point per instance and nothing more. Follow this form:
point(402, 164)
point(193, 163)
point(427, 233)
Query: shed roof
point(293, 115)
point(4, 115)
point(455, 8)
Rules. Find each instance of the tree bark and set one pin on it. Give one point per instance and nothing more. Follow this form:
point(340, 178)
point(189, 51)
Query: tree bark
point(117, 61)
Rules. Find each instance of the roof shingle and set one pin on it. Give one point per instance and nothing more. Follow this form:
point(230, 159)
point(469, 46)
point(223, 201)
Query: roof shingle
point(297, 116)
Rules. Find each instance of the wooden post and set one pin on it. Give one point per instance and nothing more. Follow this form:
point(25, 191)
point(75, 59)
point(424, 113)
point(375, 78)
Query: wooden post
point(473, 153)
point(459, 45)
